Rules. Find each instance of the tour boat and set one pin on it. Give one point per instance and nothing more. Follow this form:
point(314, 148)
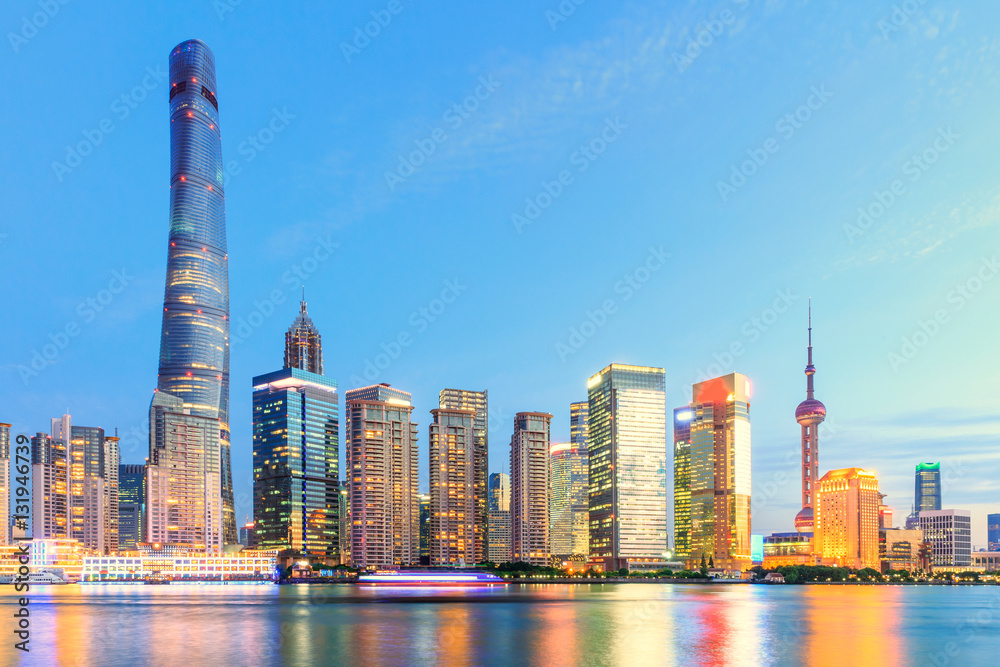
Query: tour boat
point(431, 578)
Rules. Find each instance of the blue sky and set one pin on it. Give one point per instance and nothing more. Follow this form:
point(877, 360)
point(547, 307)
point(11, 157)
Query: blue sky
point(618, 129)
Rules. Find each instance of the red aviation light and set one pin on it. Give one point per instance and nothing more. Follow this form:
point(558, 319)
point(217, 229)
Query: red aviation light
point(183, 178)
point(210, 187)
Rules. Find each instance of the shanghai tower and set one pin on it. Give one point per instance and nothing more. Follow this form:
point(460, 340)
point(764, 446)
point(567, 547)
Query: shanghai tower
point(194, 342)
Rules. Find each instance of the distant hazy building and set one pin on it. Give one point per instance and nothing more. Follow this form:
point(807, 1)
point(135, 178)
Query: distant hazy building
point(682, 482)
point(720, 471)
point(499, 518)
point(993, 531)
point(464, 399)
point(529, 482)
point(846, 518)
point(247, 535)
point(131, 505)
point(383, 476)
point(5, 488)
point(296, 488)
point(452, 466)
point(569, 514)
point(949, 533)
point(627, 452)
point(425, 528)
point(183, 476)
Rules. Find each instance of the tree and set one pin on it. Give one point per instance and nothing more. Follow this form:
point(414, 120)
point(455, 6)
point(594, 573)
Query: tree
point(704, 567)
point(711, 561)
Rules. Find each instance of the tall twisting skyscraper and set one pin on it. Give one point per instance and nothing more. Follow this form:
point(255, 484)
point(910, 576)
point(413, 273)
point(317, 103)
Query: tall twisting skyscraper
point(810, 414)
point(194, 344)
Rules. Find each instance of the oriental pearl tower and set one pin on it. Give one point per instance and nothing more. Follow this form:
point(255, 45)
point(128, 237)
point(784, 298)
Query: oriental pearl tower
point(810, 414)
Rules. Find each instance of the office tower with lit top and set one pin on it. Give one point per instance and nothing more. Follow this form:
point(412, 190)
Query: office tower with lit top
point(452, 503)
point(131, 505)
point(627, 455)
point(845, 531)
point(569, 514)
point(464, 399)
point(682, 482)
point(381, 442)
point(529, 486)
point(720, 471)
point(926, 492)
point(809, 414)
point(296, 451)
point(499, 537)
point(194, 342)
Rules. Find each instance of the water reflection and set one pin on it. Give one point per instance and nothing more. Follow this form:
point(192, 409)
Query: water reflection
point(628, 625)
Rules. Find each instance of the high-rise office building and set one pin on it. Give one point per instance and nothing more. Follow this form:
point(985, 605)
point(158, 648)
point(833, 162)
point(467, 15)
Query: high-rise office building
point(578, 428)
point(345, 523)
point(183, 476)
point(296, 451)
point(682, 482)
point(720, 471)
point(569, 512)
point(499, 528)
point(383, 476)
point(464, 399)
point(247, 535)
point(529, 487)
point(425, 528)
point(627, 454)
point(452, 463)
point(927, 487)
point(949, 533)
point(194, 343)
point(112, 461)
point(993, 532)
point(809, 414)
point(49, 488)
point(845, 531)
point(5, 476)
point(131, 505)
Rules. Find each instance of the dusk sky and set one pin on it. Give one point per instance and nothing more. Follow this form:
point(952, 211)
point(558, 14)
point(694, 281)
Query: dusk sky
point(599, 167)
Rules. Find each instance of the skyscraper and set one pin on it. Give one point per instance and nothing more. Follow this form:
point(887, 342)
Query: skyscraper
point(569, 513)
point(5, 506)
point(425, 528)
point(845, 531)
point(49, 488)
point(927, 487)
point(194, 343)
point(131, 505)
point(627, 450)
point(464, 399)
point(993, 532)
point(810, 414)
point(949, 532)
point(499, 538)
point(452, 508)
point(183, 476)
point(682, 482)
point(303, 344)
point(720, 471)
point(578, 428)
point(529, 486)
point(296, 450)
point(383, 476)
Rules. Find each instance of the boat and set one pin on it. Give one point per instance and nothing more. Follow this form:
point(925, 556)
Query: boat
point(430, 578)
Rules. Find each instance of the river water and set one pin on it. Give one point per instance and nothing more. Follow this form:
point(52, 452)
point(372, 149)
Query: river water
point(600, 624)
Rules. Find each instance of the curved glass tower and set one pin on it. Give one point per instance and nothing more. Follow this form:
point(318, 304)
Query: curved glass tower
point(194, 344)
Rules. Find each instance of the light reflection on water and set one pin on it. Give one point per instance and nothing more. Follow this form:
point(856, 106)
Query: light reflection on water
point(614, 624)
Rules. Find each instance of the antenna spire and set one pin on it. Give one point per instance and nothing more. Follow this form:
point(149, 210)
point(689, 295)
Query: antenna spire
point(810, 369)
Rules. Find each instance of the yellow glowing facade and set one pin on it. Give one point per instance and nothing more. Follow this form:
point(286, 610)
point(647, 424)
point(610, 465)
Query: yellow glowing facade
point(452, 497)
point(529, 484)
point(846, 518)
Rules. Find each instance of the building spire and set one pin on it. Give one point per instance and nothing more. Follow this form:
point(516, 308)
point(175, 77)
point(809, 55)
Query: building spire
point(810, 369)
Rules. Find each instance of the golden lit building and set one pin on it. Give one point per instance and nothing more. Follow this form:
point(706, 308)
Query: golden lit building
point(782, 549)
point(901, 549)
point(529, 485)
point(452, 497)
point(846, 518)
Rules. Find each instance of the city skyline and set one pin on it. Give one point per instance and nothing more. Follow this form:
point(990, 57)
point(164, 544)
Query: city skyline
point(870, 400)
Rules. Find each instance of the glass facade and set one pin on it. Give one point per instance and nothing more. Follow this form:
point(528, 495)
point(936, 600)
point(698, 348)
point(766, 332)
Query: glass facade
point(578, 429)
point(296, 463)
point(682, 482)
point(464, 399)
point(194, 342)
point(303, 344)
point(131, 505)
point(720, 471)
point(569, 529)
point(993, 531)
point(499, 542)
point(927, 487)
point(627, 450)
point(452, 453)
